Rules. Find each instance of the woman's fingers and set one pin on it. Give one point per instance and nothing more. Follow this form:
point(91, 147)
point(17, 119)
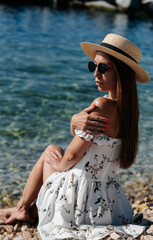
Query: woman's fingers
point(59, 154)
point(98, 119)
point(96, 124)
point(89, 109)
point(53, 157)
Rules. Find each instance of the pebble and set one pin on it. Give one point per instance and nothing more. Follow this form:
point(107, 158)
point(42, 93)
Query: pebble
point(16, 192)
point(1, 222)
point(115, 236)
point(27, 235)
point(19, 238)
point(147, 237)
point(24, 227)
point(150, 230)
point(17, 227)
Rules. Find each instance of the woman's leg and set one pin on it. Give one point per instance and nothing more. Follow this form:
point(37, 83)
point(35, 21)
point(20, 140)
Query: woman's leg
point(40, 172)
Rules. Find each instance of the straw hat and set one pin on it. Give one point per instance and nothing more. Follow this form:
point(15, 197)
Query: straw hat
point(121, 48)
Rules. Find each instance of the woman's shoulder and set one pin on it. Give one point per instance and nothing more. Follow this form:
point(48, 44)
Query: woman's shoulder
point(105, 104)
point(107, 108)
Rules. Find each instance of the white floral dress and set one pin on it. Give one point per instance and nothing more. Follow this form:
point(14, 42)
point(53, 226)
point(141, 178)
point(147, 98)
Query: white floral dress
point(87, 202)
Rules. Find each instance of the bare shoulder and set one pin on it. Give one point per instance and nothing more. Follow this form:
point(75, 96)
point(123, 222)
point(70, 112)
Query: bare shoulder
point(107, 108)
point(104, 106)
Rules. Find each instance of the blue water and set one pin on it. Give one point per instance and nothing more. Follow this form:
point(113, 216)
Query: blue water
point(44, 80)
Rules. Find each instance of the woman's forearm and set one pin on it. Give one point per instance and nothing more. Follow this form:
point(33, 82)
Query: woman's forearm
point(73, 153)
point(68, 162)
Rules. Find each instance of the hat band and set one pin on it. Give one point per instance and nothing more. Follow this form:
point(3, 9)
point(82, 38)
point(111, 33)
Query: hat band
point(117, 50)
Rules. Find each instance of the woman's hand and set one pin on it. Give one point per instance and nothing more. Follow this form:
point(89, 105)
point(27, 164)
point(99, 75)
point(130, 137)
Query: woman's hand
point(90, 124)
point(53, 156)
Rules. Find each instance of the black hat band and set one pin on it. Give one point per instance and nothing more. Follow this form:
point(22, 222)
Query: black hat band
point(117, 50)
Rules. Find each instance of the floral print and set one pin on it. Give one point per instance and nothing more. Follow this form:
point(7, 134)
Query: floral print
point(94, 168)
point(112, 181)
point(87, 202)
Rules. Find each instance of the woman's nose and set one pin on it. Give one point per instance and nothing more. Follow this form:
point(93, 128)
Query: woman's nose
point(96, 72)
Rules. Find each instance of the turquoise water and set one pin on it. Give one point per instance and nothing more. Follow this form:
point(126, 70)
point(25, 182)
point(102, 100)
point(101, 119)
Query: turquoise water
point(44, 80)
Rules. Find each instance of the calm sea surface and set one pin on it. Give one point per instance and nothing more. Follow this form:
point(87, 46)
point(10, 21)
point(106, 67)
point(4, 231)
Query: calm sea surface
point(44, 80)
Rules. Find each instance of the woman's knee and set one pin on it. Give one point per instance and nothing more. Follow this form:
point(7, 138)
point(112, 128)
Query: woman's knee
point(48, 169)
point(52, 149)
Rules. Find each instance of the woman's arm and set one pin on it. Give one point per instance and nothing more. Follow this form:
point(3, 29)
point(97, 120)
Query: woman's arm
point(72, 155)
point(79, 146)
point(87, 122)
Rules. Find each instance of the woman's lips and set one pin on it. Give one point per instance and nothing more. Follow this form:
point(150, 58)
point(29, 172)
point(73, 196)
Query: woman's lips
point(98, 83)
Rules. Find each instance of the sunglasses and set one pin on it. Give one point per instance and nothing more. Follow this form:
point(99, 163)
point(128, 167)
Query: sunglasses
point(102, 68)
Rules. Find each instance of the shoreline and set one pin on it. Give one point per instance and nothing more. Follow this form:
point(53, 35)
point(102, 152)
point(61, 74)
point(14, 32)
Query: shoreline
point(139, 194)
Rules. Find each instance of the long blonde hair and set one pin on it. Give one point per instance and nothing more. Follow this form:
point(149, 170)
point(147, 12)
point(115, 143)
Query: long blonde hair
point(126, 94)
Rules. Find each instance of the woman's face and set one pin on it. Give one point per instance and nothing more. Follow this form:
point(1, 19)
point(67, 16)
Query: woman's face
point(106, 82)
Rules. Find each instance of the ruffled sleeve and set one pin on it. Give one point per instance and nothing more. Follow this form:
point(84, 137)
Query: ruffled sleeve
point(101, 139)
point(88, 137)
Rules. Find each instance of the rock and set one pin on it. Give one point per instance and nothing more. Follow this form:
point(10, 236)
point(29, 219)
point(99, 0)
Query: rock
point(2, 230)
point(17, 227)
point(150, 218)
point(7, 228)
point(8, 237)
point(142, 206)
point(16, 193)
point(27, 235)
point(24, 227)
point(5, 199)
point(147, 199)
point(2, 222)
point(19, 238)
point(38, 235)
point(146, 237)
point(150, 230)
point(34, 238)
point(115, 236)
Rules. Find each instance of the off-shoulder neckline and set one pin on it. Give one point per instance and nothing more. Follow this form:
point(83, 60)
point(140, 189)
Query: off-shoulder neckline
point(117, 139)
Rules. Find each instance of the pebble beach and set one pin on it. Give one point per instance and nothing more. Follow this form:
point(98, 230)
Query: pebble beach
point(140, 195)
point(39, 93)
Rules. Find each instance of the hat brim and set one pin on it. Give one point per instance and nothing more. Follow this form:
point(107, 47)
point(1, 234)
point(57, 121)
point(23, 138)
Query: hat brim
point(90, 49)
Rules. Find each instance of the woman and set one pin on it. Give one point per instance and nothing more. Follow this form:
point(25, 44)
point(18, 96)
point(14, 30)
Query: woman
point(80, 195)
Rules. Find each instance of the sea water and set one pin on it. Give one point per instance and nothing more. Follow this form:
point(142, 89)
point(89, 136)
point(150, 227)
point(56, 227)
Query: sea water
point(44, 80)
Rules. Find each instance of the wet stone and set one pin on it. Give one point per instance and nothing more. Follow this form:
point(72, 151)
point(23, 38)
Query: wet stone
point(27, 235)
point(19, 238)
point(16, 193)
point(17, 227)
point(115, 236)
point(25, 226)
point(146, 237)
point(150, 230)
point(2, 230)
point(1, 222)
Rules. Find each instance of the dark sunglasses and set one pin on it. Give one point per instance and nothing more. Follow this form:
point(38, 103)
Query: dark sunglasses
point(102, 68)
